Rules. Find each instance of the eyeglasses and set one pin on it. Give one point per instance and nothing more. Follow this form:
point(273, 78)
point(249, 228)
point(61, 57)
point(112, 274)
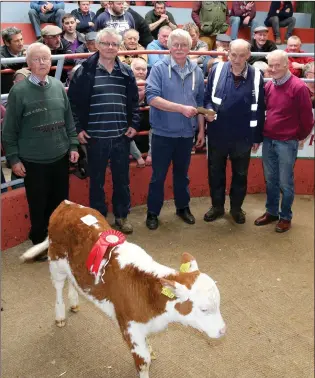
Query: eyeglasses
point(108, 44)
point(180, 45)
point(44, 59)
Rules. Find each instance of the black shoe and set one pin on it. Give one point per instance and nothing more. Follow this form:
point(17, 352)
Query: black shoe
point(186, 215)
point(213, 213)
point(152, 221)
point(238, 215)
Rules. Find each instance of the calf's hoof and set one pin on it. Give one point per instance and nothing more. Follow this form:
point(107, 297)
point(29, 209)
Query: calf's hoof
point(74, 309)
point(61, 323)
point(152, 354)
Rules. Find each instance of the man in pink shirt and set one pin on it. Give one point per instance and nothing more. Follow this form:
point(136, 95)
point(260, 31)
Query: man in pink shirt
point(289, 120)
point(296, 63)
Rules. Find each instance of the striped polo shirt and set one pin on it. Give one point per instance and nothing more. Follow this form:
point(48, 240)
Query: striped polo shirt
point(108, 107)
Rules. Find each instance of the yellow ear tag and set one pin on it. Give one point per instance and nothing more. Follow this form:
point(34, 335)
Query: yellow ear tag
point(184, 268)
point(166, 291)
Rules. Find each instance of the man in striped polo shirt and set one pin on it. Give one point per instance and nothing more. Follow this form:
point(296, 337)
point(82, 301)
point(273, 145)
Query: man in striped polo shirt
point(104, 99)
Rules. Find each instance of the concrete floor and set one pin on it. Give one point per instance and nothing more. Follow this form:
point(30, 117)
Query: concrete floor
point(266, 282)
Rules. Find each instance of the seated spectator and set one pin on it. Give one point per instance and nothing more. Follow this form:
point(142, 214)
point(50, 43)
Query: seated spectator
point(222, 45)
point(45, 11)
point(88, 46)
point(263, 67)
point(159, 17)
point(159, 44)
point(140, 69)
point(116, 18)
point(197, 44)
point(280, 15)
point(84, 17)
point(104, 6)
point(145, 36)
point(309, 73)
point(70, 33)
point(260, 43)
point(13, 47)
point(130, 42)
point(297, 63)
point(51, 37)
point(242, 14)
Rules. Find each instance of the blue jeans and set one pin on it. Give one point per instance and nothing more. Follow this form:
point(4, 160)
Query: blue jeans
point(99, 151)
point(37, 18)
point(164, 151)
point(236, 22)
point(278, 159)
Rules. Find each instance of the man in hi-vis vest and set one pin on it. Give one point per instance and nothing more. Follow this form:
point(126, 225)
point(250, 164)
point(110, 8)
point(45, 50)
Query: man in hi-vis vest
point(235, 91)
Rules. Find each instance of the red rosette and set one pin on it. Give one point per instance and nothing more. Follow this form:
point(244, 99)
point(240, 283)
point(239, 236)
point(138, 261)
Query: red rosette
point(108, 239)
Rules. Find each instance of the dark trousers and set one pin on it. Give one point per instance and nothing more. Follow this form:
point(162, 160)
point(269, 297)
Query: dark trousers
point(99, 151)
point(277, 24)
point(46, 186)
point(239, 155)
point(164, 151)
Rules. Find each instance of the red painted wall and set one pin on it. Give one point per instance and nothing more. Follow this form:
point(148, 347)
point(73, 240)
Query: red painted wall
point(15, 218)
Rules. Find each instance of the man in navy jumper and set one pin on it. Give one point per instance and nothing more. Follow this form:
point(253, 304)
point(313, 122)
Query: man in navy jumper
point(174, 89)
point(236, 94)
point(289, 120)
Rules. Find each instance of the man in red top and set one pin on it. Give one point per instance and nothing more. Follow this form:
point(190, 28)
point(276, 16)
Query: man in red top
point(289, 120)
point(296, 64)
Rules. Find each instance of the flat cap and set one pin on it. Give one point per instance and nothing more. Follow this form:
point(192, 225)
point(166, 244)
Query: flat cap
point(223, 38)
point(261, 29)
point(51, 30)
point(23, 71)
point(91, 36)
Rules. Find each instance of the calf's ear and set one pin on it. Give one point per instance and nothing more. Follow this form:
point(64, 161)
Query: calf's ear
point(189, 263)
point(178, 290)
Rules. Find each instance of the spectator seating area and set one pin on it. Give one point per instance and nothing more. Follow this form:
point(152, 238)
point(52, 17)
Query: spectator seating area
point(16, 14)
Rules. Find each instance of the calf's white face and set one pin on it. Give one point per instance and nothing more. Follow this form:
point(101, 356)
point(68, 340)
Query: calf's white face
point(203, 302)
point(205, 315)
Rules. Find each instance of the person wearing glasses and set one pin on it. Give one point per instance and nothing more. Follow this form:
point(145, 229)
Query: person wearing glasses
point(104, 99)
point(39, 139)
point(174, 90)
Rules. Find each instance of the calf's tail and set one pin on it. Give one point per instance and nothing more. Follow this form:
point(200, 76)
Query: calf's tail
point(34, 251)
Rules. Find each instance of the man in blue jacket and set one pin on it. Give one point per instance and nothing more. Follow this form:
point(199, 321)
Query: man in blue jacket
point(280, 15)
point(84, 17)
point(104, 100)
point(235, 91)
point(174, 90)
point(45, 11)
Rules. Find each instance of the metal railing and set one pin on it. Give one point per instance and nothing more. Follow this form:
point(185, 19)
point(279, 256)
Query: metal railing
point(60, 67)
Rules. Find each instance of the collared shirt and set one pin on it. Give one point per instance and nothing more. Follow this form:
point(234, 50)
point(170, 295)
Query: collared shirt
point(283, 80)
point(241, 77)
point(35, 80)
point(182, 71)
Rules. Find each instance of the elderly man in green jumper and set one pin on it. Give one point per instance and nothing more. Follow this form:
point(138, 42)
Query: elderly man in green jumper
point(40, 138)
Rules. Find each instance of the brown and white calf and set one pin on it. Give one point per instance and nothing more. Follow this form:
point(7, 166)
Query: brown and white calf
point(139, 294)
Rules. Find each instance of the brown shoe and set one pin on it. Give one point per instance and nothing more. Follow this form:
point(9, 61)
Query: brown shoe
point(283, 225)
point(265, 219)
point(278, 41)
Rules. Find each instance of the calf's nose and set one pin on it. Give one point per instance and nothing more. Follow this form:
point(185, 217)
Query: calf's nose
point(222, 330)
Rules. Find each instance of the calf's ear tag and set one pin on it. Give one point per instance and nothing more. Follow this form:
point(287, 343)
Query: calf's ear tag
point(167, 292)
point(184, 268)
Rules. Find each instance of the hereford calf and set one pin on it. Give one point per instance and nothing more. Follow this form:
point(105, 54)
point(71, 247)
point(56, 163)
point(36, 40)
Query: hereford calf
point(139, 294)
